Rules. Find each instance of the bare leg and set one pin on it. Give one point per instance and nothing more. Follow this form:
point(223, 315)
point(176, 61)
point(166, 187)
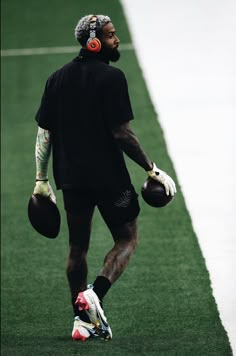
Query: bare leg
point(116, 260)
point(79, 238)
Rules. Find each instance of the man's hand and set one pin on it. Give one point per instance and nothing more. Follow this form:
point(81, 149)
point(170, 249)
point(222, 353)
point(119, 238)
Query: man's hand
point(45, 189)
point(162, 177)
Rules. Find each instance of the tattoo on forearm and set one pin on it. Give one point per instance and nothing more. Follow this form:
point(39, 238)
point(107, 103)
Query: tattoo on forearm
point(130, 145)
point(42, 153)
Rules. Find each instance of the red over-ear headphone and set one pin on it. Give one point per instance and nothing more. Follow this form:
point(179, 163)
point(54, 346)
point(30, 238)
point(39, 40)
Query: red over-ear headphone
point(93, 43)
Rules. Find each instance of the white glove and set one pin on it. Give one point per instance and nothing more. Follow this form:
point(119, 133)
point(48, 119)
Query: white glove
point(162, 177)
point(45, 189)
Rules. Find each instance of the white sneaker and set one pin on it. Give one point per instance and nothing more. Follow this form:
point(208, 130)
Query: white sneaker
point(82, 330)
point(88, 301)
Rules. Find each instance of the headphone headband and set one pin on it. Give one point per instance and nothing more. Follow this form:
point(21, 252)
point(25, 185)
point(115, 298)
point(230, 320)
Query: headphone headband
point(92, 27)
point(93, 43)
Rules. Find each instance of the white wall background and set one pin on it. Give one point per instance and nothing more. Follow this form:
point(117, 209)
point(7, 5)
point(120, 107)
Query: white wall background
point(187, 50)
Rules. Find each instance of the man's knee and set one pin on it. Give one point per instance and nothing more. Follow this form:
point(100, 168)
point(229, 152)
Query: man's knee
point(76, 258)
point(77, 252)
point(126, 233)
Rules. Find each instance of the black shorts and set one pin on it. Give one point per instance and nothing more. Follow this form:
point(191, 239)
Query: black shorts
point(115, 208)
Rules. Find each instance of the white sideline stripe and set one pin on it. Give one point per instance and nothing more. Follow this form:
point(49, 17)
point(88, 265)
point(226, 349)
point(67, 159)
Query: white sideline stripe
point(51, 50)
point(190, 75)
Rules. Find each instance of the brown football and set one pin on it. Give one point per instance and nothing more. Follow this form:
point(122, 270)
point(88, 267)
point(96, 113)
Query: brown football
point(154, 193)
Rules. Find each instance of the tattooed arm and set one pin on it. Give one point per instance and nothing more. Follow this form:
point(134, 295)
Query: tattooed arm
point(129, 143)
point(42, 153)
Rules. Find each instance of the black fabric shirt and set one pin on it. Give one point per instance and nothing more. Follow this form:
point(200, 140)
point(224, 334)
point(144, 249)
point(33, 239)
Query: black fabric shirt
point(82, 102)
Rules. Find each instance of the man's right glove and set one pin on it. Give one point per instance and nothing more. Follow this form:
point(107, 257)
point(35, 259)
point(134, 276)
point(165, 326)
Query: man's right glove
point(162, 177)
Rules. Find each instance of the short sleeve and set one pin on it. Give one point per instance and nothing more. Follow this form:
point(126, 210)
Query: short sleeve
point(45, 112)
point(117, 102)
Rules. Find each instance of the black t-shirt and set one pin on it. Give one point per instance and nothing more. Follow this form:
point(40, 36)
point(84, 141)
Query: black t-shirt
point(81, 104)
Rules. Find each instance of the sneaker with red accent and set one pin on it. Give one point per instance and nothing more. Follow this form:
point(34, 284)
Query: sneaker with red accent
point(88, 301)
point(82, 330)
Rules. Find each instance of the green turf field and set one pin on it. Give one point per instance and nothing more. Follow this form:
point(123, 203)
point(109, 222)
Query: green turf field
point(163, 304)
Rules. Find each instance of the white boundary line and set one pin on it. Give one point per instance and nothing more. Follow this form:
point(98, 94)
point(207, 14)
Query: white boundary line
point(50, 50)
point(190, 75)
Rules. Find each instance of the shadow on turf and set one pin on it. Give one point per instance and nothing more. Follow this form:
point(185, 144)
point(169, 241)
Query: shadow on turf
point(16, 340)
point(130, 345)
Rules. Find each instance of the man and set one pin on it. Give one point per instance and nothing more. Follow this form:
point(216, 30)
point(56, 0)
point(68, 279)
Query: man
point(84, 116)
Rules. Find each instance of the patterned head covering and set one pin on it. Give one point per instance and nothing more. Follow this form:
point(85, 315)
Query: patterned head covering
point(83, 27)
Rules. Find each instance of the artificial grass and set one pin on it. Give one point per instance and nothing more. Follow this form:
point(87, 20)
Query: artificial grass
point(163, 303)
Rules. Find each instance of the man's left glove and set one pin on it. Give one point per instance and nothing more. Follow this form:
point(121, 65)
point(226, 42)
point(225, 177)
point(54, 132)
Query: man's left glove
point(44, 188)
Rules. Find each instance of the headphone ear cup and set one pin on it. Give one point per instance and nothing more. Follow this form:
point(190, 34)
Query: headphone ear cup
point(94, 45)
